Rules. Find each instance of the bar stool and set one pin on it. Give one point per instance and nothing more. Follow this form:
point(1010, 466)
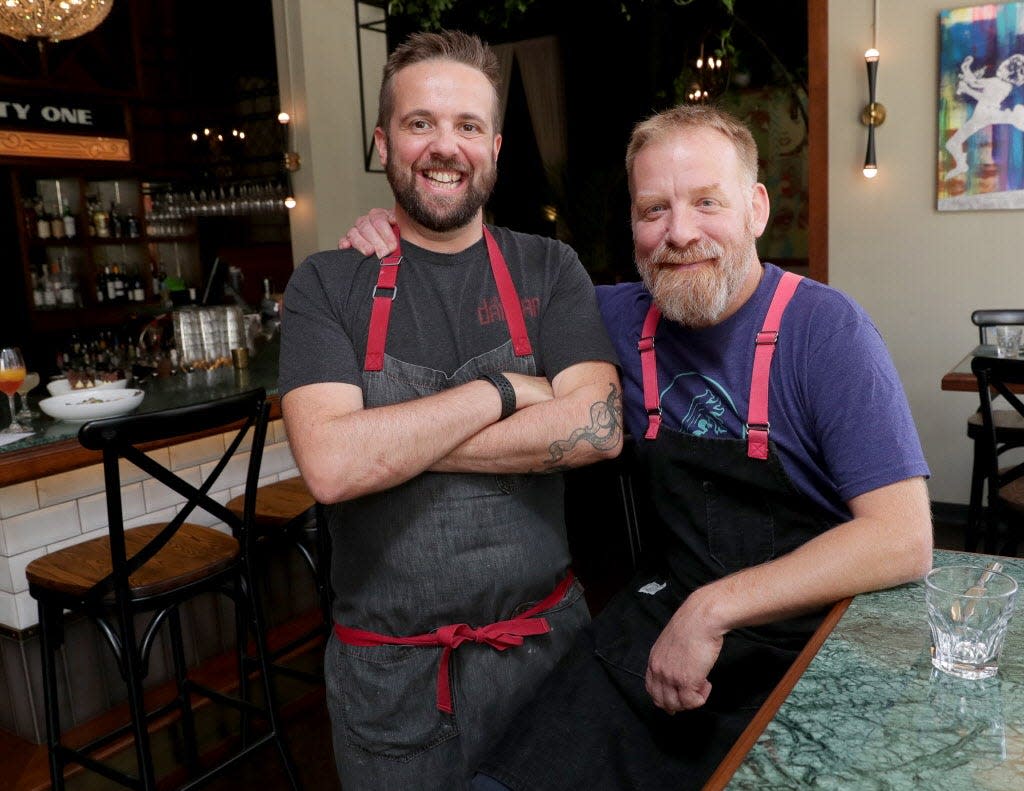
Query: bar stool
point(1008, 425)
point(287, 513)
point(146, 574)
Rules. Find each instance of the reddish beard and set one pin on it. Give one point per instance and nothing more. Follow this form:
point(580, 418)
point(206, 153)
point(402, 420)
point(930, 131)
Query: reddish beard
point(435, 212)
point(694, 297)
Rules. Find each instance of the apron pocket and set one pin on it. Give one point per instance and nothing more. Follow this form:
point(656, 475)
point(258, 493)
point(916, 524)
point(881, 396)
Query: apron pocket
point(388, 695)
point(740, 526)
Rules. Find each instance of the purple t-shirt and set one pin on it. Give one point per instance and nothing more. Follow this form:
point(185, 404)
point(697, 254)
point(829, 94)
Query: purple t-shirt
point(837, 410)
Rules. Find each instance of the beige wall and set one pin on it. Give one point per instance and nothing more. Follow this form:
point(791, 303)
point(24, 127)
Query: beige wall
point(917, 271)
point(332, 187)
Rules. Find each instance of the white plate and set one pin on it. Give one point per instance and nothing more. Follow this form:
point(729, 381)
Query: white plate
point(82, 405)
point(62, 386)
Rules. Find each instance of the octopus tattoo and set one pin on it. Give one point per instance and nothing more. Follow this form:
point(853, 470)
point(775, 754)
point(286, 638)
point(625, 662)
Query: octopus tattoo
point(604, 431)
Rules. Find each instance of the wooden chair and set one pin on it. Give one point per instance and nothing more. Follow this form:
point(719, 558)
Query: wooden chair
point(1009, 426)
point(140, 577)
point(286, 513)
point(1004, 517)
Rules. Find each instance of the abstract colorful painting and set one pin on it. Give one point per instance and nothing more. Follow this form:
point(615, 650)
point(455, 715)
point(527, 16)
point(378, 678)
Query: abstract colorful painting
point(981, 108)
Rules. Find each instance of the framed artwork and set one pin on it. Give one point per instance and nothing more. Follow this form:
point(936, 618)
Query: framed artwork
point(981, 108)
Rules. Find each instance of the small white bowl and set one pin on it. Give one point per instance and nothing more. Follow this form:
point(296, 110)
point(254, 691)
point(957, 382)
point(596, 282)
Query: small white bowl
point(62, 386)
point(81, 405)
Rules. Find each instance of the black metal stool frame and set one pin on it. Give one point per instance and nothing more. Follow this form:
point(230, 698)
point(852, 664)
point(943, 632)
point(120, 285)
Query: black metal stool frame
point(113, 606)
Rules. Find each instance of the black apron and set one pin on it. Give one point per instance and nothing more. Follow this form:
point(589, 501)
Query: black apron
point(714, 510)
point(441, 549)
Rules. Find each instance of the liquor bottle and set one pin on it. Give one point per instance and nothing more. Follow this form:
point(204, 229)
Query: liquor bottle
point(70, 231)
point(138, 290)
point(116, 224)
point(56, 224)
point(119, 289)
point(68, 287)
point(42, 222)
point(38, 297)
point(91, 207)
point(101, 288)
point(132, 228)
point(101, 220)
point(50, 294)
point(111, 285)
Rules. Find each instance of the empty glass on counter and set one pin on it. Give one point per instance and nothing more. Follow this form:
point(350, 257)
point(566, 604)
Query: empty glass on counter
point(969, 608)
point(1008, 339)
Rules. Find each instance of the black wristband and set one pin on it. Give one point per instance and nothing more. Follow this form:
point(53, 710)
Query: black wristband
point(505, 390)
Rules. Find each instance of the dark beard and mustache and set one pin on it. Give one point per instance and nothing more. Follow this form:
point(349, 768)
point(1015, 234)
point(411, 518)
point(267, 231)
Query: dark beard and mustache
point(437, 213)
point(698, 297)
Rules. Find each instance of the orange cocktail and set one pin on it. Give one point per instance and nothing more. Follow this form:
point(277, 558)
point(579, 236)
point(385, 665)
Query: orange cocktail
point(11, 379)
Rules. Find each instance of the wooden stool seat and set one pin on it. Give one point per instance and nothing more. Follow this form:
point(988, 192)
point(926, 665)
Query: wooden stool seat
point(277, 504)
point(193, 553)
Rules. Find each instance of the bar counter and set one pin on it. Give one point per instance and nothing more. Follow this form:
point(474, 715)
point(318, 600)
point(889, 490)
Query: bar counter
point(54, 447)
point(870, 711)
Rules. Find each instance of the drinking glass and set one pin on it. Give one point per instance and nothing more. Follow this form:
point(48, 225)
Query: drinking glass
point(31, 381)
point(12, 374)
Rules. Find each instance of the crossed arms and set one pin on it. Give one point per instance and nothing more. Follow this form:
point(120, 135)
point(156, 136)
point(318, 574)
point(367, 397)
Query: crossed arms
point(345, 450)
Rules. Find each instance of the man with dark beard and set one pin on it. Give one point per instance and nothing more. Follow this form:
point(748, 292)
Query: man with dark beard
point(778, 462)
point(424, 407)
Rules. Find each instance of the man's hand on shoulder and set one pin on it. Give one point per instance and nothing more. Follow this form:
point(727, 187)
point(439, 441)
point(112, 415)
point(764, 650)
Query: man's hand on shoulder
point(372, 234)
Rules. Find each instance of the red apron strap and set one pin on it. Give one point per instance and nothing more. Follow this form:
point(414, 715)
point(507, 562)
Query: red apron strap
point(499, 636)
point(386, 289)
point(764, 349)
point(649, 371)
point(383, 296)
point(509, 298)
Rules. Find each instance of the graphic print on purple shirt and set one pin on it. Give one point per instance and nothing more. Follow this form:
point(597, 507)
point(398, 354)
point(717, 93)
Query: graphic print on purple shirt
point(838, 413)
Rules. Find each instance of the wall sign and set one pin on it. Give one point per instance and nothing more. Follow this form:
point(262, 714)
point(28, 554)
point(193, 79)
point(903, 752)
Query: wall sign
point(60, 115)
point(62, 128)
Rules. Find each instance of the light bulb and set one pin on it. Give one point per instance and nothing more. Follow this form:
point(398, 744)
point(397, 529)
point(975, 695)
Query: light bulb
point(195, 136)
point(872, 55)
point(870, 171)
point(283, 117)
point(289, 202)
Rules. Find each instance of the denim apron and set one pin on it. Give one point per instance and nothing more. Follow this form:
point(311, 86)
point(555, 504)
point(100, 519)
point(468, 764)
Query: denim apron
point(459, 555)
point(717, 506)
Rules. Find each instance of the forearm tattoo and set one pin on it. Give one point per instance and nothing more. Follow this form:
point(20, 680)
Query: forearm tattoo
point(604, 431)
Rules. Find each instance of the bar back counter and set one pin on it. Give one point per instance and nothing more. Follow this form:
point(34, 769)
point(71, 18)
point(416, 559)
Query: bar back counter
point(51, 496)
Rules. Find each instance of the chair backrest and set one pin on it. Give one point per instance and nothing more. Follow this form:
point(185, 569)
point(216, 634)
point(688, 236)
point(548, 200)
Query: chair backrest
point(997, 376)
point(121, 437)
point(986, 320)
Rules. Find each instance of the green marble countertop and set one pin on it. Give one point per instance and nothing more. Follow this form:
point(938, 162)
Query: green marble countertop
point(870, 712)
point(162, 393)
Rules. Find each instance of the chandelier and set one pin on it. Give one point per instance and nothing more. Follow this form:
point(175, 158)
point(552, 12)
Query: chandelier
point(52, 20)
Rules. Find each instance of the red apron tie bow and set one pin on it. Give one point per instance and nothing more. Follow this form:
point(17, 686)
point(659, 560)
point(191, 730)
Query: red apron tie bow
point(499, 636)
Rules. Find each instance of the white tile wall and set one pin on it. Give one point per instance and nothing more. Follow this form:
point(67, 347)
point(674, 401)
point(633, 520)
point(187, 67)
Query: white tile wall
point(18, 499)
point(61, 510)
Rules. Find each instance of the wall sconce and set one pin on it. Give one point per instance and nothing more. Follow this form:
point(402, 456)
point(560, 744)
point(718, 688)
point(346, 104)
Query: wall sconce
point(873, 114)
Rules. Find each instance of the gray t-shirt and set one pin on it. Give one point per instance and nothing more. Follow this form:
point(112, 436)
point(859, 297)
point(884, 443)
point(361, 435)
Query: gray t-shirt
point(446, 310)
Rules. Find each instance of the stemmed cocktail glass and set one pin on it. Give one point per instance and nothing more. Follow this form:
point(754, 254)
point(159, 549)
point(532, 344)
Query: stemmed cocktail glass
point(30, 383)
point(12, 374)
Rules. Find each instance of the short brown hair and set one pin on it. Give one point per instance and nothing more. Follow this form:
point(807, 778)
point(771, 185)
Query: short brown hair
point(452, 45)
point(693, 116)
